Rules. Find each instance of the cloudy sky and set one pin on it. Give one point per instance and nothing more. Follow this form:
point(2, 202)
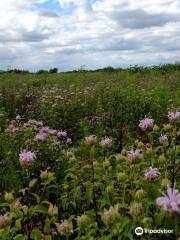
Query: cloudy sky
point(66, 34)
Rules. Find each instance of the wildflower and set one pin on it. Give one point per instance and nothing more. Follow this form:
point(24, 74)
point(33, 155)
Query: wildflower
point(140, 193)
point(41, 136)
point(174, 116)
point(109, 216)
point(69, 141)
point(52, 210)
point(83, 221)
point(70, 154)
point(170, 202)
point(46, 175)
point(9, 196)
point(52, 131)
point(53, 232)
point(26, 158)
point(135, 154)
point(65, 228)
point(146, 123)
point(105, 142)
point(18, 117)
point(151, 174)
point(15, 206)
point(4, 220)
point(163, 138)
point(61, 134)
point(135, 208)
point(93, 120)
point(90, 140)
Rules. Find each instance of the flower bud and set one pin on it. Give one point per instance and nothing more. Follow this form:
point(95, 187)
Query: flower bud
point(162, 159)
point(83, 221)
point(140, 194)
point(106, 164)
point(167, 127)
point(9, 197)
point(155, 128)
point(110, 189)
point(64, 228)
point(121, 176)
point(165, 182)
point(111, 215)
point(140, 145)
point(135, 209)
point(147, 221)
point(53, 210)
point(149, 151)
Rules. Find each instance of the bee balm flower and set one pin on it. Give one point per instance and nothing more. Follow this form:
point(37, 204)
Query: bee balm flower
point(135, 154)
point(105, 142)
point(170, 202)
point(146, 123)
point(26, 158)
point(174, 116)
point(90, 140)
point(151, 174)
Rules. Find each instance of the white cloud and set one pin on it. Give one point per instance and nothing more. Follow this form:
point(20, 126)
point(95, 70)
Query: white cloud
point(106, 32)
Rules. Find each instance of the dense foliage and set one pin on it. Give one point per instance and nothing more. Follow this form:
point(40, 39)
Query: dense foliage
point(89, 155)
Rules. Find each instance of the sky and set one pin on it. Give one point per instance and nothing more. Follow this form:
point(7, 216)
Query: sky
point(42, 34)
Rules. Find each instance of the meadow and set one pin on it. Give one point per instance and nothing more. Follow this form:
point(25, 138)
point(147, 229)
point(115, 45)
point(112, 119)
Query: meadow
point(90, 155)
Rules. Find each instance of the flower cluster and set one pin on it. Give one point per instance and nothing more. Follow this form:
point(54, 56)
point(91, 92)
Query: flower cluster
point(170, 202)
point(105, 142)
point(163, 138)
point(151, 174)
point(146, 123)
point(135, 154)
point(64, 228)
point(90, 140)
point(26, 158)
point(174, 116)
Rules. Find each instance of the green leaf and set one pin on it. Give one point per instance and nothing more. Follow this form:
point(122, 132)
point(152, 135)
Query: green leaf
point(36, 197)
point(89, 192)
point(40, 209)
point(19, 237)
point(36, 234)
point(32, 183)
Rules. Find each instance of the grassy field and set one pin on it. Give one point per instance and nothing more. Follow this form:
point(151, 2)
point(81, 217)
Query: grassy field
point(76, 164)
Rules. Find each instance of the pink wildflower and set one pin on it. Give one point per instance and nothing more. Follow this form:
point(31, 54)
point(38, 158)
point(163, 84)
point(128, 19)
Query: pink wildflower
point(41, 136)
point(163, 138)
point(135, 154)
point(170, 202)
point(151, 174)
point(105, 142)
point(174, 116)
point(26, 158)
point(90, 140)
point(146, 123)
point(62, 133)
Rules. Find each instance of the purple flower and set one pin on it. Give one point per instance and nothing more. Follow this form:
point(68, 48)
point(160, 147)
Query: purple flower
point(41, 136)
point(105, 142)
point(170, 202)
point(146, 123)
point(151, 174)
point(163, 138)
point(26, 158)
point(93, 120)
point(90, 140)
point(174, 116)
point(52, 131)
point(61, 134)
point(135, 154)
